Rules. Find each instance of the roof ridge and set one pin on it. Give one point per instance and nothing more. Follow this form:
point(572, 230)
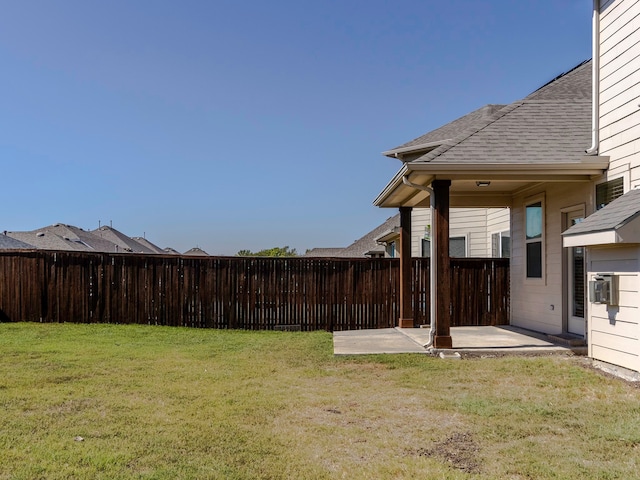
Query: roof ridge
point(558, 77)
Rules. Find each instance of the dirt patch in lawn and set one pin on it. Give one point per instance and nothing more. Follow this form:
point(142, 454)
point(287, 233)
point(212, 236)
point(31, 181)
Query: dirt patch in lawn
point(460, 450)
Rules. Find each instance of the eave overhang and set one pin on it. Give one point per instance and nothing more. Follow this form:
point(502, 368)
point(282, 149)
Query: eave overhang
point(616, 223)
point(388, 236)
point(505, 180)
point(423, 147)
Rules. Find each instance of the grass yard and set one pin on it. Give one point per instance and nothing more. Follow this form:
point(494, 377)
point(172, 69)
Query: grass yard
point(123, 402)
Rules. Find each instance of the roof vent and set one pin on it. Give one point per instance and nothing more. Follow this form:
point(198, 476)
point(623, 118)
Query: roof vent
point(40, 234)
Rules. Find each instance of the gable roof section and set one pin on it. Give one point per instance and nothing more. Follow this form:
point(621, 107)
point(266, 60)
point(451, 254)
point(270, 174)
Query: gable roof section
point(617, 222)
point(552, 124)
point(542, 137)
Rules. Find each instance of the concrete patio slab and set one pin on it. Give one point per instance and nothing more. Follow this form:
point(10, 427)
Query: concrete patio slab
point(384, 340)
point(466, 340)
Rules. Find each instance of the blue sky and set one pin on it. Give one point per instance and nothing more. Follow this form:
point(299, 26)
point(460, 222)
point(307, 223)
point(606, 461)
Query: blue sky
point(234, 125)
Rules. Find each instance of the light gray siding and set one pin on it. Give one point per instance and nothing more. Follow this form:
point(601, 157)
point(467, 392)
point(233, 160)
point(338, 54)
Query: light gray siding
point(475, 224)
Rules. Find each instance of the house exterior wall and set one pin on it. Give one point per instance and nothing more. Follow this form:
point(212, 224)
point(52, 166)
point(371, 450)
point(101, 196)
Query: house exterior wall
point(539, 303)
point(614, 331)
point(475, 224)
point(620, 88)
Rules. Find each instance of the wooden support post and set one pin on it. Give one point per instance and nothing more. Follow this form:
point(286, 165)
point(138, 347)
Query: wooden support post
point(442, 337)
point(406, 310)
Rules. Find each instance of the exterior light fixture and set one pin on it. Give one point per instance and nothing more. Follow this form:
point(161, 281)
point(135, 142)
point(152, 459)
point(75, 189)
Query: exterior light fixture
point(483, 184)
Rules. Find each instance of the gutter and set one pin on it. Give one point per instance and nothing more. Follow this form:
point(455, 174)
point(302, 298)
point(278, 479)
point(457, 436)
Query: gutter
point(432, 262)
point(595, 81)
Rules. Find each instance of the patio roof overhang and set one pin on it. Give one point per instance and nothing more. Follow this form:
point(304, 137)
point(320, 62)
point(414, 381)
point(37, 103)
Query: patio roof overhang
point(468, 181)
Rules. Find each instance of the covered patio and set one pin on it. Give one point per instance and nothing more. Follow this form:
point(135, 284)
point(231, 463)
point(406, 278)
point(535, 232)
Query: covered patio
point(528, 156)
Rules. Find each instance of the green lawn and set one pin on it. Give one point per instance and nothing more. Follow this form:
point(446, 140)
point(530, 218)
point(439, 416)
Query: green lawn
point(105, 401)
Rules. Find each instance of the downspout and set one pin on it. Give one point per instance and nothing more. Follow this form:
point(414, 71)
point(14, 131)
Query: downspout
point(432, 262)
point(595, 81)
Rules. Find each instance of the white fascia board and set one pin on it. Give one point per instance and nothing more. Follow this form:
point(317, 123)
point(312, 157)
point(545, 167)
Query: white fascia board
point(395, 182)
point(607, 237)
point(591, 167)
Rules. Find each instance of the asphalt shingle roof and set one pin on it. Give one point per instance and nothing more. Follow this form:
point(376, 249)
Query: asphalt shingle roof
point(324, 252)
point(454, 128)
point(360, 248)
point(552, 123)
point(196, 252)
point(613, 216)
point(146, 243)
point(46, 240)
point(10, 243)
point(118, 238)
point(367, 243)
point(82, 238)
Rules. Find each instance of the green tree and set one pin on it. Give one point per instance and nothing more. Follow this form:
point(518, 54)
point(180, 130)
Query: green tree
point(270, 252)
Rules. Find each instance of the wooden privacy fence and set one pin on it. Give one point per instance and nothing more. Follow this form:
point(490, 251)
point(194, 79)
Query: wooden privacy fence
point(238, 292)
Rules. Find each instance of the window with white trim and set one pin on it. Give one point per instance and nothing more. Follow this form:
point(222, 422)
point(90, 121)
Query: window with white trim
point(534, 239)
point(501, 244)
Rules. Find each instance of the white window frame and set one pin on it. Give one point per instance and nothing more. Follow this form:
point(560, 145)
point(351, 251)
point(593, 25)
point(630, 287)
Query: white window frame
point(543, 239)
point(501, 235)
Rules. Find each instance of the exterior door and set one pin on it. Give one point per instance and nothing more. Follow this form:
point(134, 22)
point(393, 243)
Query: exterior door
point(575, 283)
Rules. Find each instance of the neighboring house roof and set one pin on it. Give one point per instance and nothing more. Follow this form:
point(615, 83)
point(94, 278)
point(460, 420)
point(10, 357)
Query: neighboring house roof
point(146, 243)
point(446, 132)
point(196, 252)
point(170, 251)
point(363, 247)
point(79, 236)
point(324, 252)
point(368, 245)
point(10, 243)
point(125, 243)
point(558, 113)
point(545, 134)
point(617, 222)
point(46, 240)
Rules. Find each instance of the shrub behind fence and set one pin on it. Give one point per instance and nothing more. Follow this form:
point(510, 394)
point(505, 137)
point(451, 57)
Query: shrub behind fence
point(237, 292)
